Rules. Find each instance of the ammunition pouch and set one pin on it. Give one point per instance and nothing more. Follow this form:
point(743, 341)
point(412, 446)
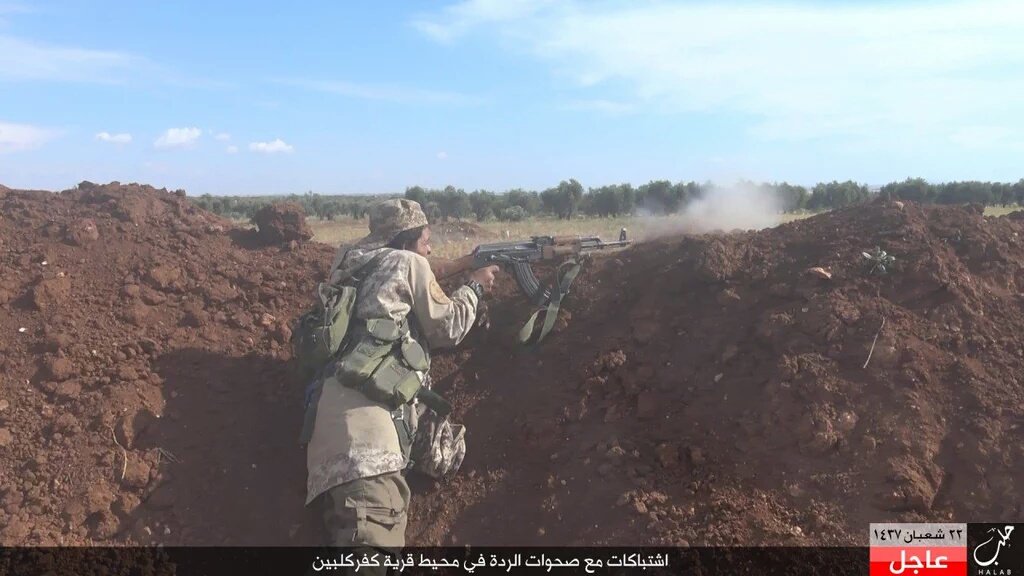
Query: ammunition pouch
point(386, 364)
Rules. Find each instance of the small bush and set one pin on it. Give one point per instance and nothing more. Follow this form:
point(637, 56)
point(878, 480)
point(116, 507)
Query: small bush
point(513, 214)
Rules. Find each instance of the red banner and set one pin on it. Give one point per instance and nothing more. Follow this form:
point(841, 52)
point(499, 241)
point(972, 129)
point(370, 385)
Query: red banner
point(919, 560)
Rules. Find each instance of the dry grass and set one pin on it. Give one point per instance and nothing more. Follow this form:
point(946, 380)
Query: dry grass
point(1001, 211)
point(339, 230)
point(347, 230)
point(344, 230)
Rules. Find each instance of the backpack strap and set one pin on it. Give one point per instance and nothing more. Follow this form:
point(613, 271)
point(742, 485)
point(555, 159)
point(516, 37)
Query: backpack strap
point(366, 267)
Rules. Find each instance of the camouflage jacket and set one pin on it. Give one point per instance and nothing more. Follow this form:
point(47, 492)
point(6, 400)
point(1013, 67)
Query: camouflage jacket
point(354, 437)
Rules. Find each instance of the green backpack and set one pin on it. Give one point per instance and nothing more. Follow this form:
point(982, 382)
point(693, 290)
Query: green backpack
point(320, 332)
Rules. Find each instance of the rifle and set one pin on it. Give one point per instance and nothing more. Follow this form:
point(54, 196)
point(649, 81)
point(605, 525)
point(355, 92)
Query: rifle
point(519, 257)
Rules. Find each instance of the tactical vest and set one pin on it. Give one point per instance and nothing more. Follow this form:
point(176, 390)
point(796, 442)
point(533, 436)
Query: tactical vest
point(381, 359)
point(385, 362)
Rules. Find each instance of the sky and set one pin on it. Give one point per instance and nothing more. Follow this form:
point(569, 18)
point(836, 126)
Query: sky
point(372, 97)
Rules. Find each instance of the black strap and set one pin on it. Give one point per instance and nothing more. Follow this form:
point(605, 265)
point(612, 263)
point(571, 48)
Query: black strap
point(434, 401)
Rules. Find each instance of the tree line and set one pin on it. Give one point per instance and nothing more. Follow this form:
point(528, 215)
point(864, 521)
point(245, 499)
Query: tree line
point(659, 197)
point(317, 205)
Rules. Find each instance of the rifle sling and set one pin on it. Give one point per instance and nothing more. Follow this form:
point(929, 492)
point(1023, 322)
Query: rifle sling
point(558, 291)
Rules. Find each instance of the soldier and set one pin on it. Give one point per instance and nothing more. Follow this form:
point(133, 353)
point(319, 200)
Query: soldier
point(359, 448)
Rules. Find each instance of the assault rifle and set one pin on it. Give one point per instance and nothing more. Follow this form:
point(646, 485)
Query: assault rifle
point(518, 257)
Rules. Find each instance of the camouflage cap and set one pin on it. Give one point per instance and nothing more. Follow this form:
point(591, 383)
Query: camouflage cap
point(389, 218)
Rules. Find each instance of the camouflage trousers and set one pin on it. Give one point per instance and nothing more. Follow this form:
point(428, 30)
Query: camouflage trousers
point(372, 512)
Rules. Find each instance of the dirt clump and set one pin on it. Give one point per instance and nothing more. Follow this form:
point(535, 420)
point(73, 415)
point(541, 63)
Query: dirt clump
point(281, 223)
point(460, 231)
point(82, 232)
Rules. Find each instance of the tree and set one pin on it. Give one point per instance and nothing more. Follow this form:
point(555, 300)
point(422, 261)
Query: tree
point(913, 189)
point(964, 192)
point(513, 214)
point(792, 198)
point(482, 203)
point(564, 200)
point(1018, 192)
point(610, 200)
point(530, 202)
point(571, 193)
point(454, 203)
point(416, 194)
point(656, 197)
point(837, 195)
point(433, 212)
point(1002, 194)
point(552, 204)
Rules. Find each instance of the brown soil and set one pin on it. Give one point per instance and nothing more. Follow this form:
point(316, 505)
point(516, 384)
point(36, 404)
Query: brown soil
point(281, 223)
point(697, 390)
point(164, 336)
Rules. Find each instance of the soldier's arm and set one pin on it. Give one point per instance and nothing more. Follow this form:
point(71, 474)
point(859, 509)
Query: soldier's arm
point(444, 268)
point(446, 320)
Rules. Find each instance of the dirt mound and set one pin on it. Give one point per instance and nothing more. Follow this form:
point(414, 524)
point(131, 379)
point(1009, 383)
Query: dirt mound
point(460, 230)
point(281, 223)
point(729, 402)
point(132, 322)
point(697, 390)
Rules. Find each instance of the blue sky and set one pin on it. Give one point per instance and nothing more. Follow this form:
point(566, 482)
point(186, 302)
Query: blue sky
point(353, 97)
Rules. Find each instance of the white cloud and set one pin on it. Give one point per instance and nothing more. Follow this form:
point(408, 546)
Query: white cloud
point(231, 149)
point(381, 92)
point(223, 136)
point(786, 70)
point(25, 60)
point(460, 18)
point(272, 147)
point(18, 137)
point(442, 155)
point(123, 138)
point(178, 138)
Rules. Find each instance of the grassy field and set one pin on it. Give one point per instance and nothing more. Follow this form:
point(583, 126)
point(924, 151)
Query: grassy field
point(452, 243)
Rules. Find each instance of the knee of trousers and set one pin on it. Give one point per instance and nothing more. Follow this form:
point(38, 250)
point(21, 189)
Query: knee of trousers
point(368, 512)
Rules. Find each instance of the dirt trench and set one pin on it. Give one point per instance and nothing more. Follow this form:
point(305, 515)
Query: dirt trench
point(697, 390)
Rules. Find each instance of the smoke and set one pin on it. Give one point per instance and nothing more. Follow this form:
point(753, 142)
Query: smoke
point(740, 206)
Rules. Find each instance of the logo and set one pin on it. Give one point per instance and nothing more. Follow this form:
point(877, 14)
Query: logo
point(918, 549)
point(995, 550)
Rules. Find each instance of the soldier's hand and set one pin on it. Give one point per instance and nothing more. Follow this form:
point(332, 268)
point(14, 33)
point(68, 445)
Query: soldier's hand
point(485, 276)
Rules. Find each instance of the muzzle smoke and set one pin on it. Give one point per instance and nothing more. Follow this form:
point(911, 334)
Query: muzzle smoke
point(722, 209)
